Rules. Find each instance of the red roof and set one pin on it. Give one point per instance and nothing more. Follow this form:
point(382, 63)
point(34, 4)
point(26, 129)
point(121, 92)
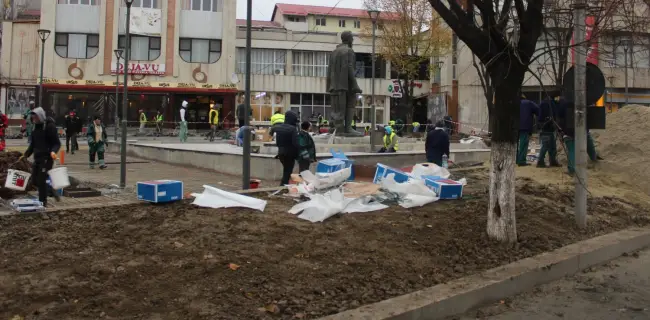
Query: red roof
point(259, 24)
point(304, 10)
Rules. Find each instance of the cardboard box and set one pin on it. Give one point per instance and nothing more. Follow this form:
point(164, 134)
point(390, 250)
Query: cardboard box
point(160, 191)
point(383, 171)
point(348, 163)
point(263, 135)
point(444, 188)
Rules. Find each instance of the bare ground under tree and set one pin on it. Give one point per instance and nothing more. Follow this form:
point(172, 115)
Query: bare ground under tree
point(172, 262)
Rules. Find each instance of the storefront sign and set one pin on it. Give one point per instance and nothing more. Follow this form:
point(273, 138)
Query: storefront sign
point(143, 84)
point(140, 68)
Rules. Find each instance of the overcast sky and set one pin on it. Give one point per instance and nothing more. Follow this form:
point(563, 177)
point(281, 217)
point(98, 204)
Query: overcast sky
point(263, 9)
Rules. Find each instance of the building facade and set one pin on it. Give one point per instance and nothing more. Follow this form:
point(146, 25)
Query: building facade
point(190, 50)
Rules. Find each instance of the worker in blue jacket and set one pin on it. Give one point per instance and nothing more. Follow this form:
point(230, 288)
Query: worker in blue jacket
point(527, 109)
point(547, 137)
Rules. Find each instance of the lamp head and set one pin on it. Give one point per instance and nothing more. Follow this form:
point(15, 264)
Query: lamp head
point(374, 14)
point(44, 34)
point(118, 53)
point(128, 2)
point(439, 64)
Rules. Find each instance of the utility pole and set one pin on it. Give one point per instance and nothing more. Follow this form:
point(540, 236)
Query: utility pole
point(580, 109)
point(626, 48)
point(246, 163)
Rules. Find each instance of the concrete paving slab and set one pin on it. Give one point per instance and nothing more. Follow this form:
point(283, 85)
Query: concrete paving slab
point(463, 294)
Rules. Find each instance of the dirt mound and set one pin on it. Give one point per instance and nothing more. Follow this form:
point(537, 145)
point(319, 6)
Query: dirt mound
point(11, 160)
point(625, 144)
point(174, 261)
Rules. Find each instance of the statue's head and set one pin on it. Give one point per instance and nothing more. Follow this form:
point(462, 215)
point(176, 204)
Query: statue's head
point(346, 37)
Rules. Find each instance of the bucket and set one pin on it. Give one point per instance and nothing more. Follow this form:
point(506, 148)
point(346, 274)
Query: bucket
point(255, 183)
point(59, 178)
point(17, 180)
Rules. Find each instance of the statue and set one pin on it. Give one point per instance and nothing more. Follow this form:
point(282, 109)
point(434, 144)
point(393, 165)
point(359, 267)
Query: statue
point(342, 86)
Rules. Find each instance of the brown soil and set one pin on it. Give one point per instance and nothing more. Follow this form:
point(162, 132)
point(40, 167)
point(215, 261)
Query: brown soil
point(174, 261)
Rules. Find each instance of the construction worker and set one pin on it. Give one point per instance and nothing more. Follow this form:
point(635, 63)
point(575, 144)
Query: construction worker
point(183, 131)
point(277, 118)
point(213, 120)
point(416, 126)
point(97, 141)
point(390, 141)
point(159, 123)
point(143, 121)
point(367, 131)
point(354, 122)
point(547, 124)
point(437, 143)
point(527, 109)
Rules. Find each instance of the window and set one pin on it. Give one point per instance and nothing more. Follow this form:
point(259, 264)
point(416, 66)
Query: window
point(200, 50)
point(263, 61)
point(310, 63)
point(342, 23)
point(264, 104)
point(546, 51)
point(142, 48)
point(147, 4)
point(321, 21)
point(86, 2)
point(357, 24)
point(203, 5)
point(311, 104)
point(295, 19)
point(363, 110)
point(76, 45)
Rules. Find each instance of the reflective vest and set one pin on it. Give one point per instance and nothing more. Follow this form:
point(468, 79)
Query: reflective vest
point(159, 118)
point(213, 117)
point(416, 124)
point(143, 118)
point(389, 140)
point(391, 123)
point(277, 118)
point(353, 124)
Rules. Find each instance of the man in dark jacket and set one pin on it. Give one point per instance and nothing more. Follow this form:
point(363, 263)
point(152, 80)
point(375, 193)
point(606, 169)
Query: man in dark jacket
point(44, 146)
point(286, 138)
point(241, 112)
point(548, 126)
point(72, 129)
point(437, 143)
point(527, 109)
point(307, 147)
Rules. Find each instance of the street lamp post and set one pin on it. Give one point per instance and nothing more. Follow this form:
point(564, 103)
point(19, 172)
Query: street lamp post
point(125, 101)
point(118, 55)
point(43, 34)
point(626, 49)
point(540, 69)
point(374, 15)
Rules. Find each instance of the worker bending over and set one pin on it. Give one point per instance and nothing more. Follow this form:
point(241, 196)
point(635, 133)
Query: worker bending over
point(390, 141)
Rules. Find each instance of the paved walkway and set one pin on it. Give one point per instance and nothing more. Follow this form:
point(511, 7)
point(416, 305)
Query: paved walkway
point(618, 290)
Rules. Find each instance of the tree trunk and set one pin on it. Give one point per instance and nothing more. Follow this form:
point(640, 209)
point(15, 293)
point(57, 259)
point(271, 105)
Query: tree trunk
point(502, 224)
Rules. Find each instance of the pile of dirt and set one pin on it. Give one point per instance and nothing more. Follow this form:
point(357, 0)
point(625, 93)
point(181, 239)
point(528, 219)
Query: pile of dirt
point(11, 160)
point(181, 262)
point(625, 144)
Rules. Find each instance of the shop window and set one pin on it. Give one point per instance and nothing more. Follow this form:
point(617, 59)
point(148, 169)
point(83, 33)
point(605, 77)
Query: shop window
point(263, 61)
point(76, 45)
point(310, 105)
point(86, 2)
point(142, 48)
point(203, 5)
point(200, 50)
point(264, 104)
point(310, 63)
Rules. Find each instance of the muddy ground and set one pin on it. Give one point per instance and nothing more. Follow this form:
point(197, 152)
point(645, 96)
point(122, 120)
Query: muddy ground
point(181, 262)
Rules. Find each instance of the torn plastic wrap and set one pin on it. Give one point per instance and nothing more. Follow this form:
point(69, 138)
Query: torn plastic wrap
point(217, 198)
point(429, 169)
point(326, 180)
point(413, 193)
point(323, 206)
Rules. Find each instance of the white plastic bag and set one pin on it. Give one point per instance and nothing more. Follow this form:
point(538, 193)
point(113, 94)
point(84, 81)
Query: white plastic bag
point(217, 198)
point(324, 206)
point(429, 169)
point(324, 181)
point(413, 193)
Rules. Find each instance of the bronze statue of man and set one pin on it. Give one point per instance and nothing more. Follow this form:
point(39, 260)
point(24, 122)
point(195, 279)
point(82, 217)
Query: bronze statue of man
point(342, 86)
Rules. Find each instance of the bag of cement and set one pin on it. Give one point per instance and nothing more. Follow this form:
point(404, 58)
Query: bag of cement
point(413, 193)
point(429, 169)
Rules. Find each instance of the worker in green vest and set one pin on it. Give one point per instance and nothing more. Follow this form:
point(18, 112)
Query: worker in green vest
point(159, 123)
point(416, 126)
point(277, 118)
point(213, 120)
point(390, 141)
point(391, 123)
point(143, 121)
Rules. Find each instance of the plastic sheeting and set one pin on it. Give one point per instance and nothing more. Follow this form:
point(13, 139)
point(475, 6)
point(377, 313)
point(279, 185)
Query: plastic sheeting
point(326, 180)
point(217, 198)
point(413, 193)
point(429, 169)
point(323, 206)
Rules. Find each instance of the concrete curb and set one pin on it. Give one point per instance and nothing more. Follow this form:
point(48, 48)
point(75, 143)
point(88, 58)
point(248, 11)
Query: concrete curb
point(461, 295)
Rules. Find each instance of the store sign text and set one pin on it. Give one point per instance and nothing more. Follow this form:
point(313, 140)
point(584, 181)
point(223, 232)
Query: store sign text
point(140, 68)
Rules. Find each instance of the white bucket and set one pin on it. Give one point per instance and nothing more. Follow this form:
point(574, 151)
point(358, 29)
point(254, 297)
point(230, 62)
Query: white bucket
point(17, 180)
point(59, 178)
